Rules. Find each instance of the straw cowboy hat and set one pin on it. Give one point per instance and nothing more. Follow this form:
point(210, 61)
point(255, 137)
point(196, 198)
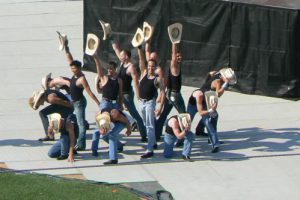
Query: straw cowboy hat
point(55, 120)
point(106, 29)
point(138, 38)
point(92, 43)
point(211, 98)
point(147, 31)
point(175, 32)
point(35, 100)
point(229, 74)
point(184, 120)
point(97, 81)
point(45, 81)
point(103, 121)
point(62, 41)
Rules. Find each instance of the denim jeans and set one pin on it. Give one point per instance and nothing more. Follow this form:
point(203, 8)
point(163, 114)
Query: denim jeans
point(61, 147)
point(178, 103)
point(129, 103)
point(112, 138)
point(169, 141)
point(79, 111)
point(62, 110)
point(107, 104)
point(192, 110)
point(200, 127)
point(147, 110)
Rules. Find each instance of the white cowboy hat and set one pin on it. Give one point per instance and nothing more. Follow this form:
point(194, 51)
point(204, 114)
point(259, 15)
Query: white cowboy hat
point(62, 41)
point(35, 100)
point(97, 80)
point(184, 119)
point(138, 38)
point(229, 74)
point(103, 121)
point(45, 81)
point(147, 30)
point(106, 29)
point(175, 32)
point(211, 98)
point(55, 120)
point(92, 43)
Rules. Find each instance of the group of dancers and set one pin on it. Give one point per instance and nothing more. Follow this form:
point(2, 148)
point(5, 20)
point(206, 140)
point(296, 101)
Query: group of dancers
point(156, 93)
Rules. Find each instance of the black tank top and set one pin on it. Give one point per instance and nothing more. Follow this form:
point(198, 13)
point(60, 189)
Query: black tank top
point(111, 89)
point(76, 92)
point(192, 100)
point(207, 85)
point(169, 129)
point(125, 78)
point(174, 82)
point(58, 94)
point(71, 118)
point(147, 88)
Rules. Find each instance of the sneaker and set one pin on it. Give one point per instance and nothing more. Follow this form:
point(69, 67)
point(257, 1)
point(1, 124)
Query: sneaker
point(215, 150)
point(147, 154)
point(155, 146)
point(187, 158)
point(209, 142)
point(62, 157)
point(47, 138)
point(77, 148)
point(111, 162)
point(95, 154)
point(134, 127)
point(203, 134)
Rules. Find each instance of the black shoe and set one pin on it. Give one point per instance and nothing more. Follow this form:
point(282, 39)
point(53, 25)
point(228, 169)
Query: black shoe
point(75, 152)
point(215, 150)
point(61, 157)
point(111, 162)
point(179, 143)
point(87, 125)
point(209, 142)
point(203, 134)
point(155, 146)
point(95, 153)
point(121, 148)
point(47, 138)
point(77, 148)
point(134, 127)
point(158, 139)
point(187, 158)
point(147, 155)
point(144, 140)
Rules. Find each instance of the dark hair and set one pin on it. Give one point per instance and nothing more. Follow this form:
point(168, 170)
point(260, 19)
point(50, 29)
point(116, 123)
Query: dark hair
point(152, 61)
point(75, 63)
point(113, 64)
point(128, 53)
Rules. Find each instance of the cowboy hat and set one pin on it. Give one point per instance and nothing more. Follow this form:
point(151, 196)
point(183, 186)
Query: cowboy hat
point(62, 41)
point(35, 100)
point(147, 30)
point(92, 43)
point(184, 120)
point(103, 121)
point(229, 74)
point(106, 29)
point(211, 98)
point(138, 38)
point(175, 32)
point(45, 81)
point(55, 120)
point(97, 86)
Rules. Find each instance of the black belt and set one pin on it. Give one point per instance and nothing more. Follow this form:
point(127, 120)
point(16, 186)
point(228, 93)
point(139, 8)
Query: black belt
point(109, 100)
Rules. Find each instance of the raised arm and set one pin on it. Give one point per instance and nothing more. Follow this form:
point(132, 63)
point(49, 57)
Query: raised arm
point(142, 63)
point(117, 49)
point(68, 53)
point(147, 50)
point(99, 67)
point(174, 65)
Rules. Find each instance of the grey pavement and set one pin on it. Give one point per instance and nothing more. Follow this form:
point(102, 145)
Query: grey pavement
point(259, 160)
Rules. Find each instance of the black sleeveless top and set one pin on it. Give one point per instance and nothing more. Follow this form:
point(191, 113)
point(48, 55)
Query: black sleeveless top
point(76, 92)
point(111, 89)
point(125, 78)
point(169, 129)
point(192, 100)
point(207, 85)
point(58, 94)
point(71, 118)
point(174, 82)
point(147, 88)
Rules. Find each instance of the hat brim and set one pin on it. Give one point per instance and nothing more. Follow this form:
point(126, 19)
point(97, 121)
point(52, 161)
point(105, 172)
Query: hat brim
point(175, 32)
point(211, 97)
point(107, 120)
point(37, 99)
point(138, 38)
point(180, 118)
point(62, 39)
point(232, 79)
point(92, 44)
point(45, 81)
point(55, 117)
point(106, 29)
point(147, 31)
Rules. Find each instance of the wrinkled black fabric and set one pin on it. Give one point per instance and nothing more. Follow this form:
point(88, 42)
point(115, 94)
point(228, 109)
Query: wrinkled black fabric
point(257, 38)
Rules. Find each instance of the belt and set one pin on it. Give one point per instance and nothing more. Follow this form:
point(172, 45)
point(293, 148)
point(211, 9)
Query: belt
point(145, 100)
point(126, 92)
point(109, 100)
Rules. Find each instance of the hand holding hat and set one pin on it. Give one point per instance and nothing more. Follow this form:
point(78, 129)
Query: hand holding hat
point(63, 41)
point(106, 29)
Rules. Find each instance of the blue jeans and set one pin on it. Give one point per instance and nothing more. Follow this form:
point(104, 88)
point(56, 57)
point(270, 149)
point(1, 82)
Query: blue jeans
point(129, 103)
point(177, 102)
point(169, 141)
point(62, 110)
point(107, 104)
point(112, 138)
point(79, 111)
point(192, 110)
point(200, 127)
point(61, 147)
point(147, 110)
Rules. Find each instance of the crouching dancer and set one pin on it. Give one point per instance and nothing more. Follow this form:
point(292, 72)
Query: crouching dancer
point(68, 129)
point(178, 127)
point(110, 124)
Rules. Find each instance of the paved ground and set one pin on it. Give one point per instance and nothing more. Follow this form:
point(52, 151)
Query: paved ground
point(259, 159)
